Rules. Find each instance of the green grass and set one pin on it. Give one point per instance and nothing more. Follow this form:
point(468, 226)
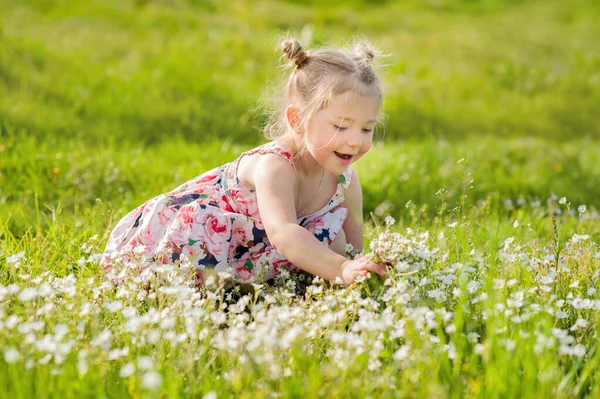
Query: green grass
point(491, 119)
point(508, 363)
point(148, 71)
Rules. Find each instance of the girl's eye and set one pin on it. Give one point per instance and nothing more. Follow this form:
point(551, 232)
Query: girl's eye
point(367, 130)
point(342, 128)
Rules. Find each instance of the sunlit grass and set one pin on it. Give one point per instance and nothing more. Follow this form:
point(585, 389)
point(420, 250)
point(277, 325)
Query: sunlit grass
point(494, 186)
point(140, 71)
point(496, 300)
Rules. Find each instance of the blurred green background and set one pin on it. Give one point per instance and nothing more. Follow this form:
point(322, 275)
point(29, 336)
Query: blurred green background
point(115, 101)
point(144, 71)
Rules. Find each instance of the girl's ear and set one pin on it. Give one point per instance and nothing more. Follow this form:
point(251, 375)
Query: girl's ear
point(292, 114)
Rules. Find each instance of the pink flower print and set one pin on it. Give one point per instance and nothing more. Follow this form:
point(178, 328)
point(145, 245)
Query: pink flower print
point(258, 247)
point(224, 204)
point(316, 226)
point(245, 271)
point(279, 264)
point(145, 237)
point(246, 203)
point(166, 252)
point(334, 220)
point(210, 193)
point(217, 230)
point(186, 215)
point(209, 177)
point(181, 227)
point(165, 215)
point(242, 235)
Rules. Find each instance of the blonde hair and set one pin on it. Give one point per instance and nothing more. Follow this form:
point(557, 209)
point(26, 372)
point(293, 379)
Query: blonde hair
point(318, 77)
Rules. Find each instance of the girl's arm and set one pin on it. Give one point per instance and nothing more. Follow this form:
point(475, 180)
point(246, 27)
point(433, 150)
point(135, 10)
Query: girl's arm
point(353, 225)
point(274, 181)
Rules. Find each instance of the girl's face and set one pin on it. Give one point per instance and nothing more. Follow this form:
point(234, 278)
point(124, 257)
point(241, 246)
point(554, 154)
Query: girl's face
point(341, 133)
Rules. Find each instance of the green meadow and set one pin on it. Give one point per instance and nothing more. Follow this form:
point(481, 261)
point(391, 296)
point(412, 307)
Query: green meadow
point(487, 158)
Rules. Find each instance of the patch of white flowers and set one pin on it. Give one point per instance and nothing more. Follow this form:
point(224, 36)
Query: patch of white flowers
point(143, 320)
point(410, 252)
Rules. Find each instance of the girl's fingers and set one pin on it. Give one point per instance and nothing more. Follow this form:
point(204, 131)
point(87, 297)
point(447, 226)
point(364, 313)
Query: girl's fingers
point(374, 267)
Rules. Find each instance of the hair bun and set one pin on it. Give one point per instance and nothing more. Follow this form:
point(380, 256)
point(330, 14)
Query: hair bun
point(364, 52)
point(294, 51)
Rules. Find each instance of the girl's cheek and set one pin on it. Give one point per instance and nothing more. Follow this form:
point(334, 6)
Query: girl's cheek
point(367, 145)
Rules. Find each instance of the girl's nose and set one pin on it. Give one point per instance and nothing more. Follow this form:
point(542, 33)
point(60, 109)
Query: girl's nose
point(355, 139)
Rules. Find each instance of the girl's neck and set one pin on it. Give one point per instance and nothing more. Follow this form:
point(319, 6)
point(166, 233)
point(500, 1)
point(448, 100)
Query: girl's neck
point(305, 163)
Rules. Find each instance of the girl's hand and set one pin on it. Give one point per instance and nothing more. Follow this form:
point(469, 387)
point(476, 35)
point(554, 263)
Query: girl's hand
point(359, 267)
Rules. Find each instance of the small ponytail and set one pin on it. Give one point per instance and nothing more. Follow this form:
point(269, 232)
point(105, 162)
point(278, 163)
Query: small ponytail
point(364, 52)
point(294, 52)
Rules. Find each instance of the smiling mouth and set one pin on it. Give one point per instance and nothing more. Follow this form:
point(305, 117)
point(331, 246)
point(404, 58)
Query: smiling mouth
point(345, 157)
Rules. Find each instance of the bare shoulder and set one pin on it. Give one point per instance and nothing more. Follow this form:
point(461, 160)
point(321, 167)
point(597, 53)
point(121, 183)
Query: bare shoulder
point(272, 165)
point(258, 168)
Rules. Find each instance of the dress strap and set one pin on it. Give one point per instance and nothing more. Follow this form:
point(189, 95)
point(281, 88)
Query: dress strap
point(229, 175)
point(272, 148)
point(345, 178)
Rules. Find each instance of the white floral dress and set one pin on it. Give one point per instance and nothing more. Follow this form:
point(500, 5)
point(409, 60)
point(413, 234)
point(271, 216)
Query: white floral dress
point(213, 221)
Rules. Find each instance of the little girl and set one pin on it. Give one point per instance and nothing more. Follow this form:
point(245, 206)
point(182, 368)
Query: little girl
point(291, 204)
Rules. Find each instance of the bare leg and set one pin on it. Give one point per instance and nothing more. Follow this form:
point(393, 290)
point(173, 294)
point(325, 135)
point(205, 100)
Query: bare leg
point(338, 244)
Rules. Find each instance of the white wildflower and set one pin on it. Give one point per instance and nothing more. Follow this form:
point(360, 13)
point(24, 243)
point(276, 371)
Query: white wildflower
point(579, 237)
point(581, 209)
point(451, 349)
point(102, 339)
point(478, 349)
point(127, 370)
point(547, 279)
point(82, 366)
point(61, 330)
point(85, 309)
point(561, 314)
point(574, 284)
point(129, 312)
point(15, 259)
point(153, 336)
point(11, 355)
point(28, 294)
point(12, 321)
point(145, 363)
point(118, 353)
point(509, 344)
point(562, 201)
point(579, 350)
point(473, 286)
point(46, 359)
point(151, 380)
point(473, 337)
point(516, 300)
point(402, 353)
point(436, 294)
point(579, 323)
point(114, 306)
